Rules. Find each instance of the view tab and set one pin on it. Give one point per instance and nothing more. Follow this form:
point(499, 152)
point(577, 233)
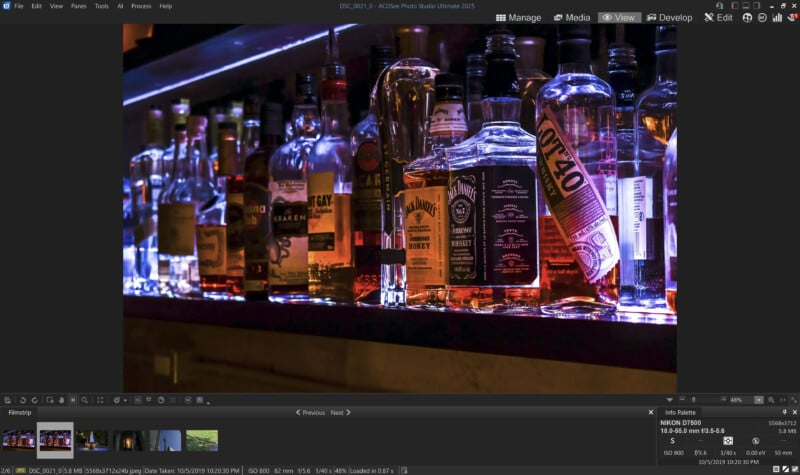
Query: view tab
point(619, 17)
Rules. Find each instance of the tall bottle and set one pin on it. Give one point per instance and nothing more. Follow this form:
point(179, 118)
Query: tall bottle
point(426, 211)
point(186, 199)
point(367, 231)
point(531, 77)
point(179, 111)
point(494, 265)
point(330, 185)
point(230, 182)
point(576, 138)
point(288, 187)
point(146, 181)
point(256, 232)
point(671, 221)
point(405, 99)
point(656, 111)
point(475, 74)
point(171, 241)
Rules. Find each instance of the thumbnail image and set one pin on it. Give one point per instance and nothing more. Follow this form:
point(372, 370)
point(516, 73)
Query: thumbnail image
point(55, 440)
point(202, 440)
point(129, 441)
point(19, 440)
point(165, 441)
point(91, 441)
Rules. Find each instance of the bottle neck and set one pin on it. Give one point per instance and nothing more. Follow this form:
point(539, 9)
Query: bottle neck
point(666, 66)
point(251, 135)
point(180, 159)
point(501, 101)
point(574, 57)
point(200, 166)
point(334, 107)
point(307, 122)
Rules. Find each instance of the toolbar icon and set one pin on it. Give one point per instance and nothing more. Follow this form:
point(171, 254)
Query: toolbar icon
point(7, 400)
point(762, 17)
point(652, 17)
point(747, 18)
point(720, 6)
point(500, 17)
point(7, 6)
point(709, 17)
point(777, 17)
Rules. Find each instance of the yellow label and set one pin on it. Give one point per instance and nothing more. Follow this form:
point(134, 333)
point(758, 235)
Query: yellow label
point(321, 218)
point(211, 249)
point(426, 235)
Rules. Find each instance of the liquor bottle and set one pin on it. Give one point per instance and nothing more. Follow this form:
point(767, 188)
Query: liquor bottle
point(475, 73)
point(576, 139)
point(211, 239)
point(531, 77)
point(494, 264)
point(671, 221)
point(330, 184)
point(185, 200)
point(256, 231)
point(128, 247)
point(405, 101)
point(426, 210)
point(289, 199)
point(179, 111)
point(230, 183)
point(367, 231)
point(655, 118)
point(167, 236)
point(146, 181)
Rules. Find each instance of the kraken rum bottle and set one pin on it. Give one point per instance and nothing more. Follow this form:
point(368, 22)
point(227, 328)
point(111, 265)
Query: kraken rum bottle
point(405, 100)
point(330, 185)
point(288, 186)
point(577, 166)
point(367, 233)
point(492, 199)
point(426, 211)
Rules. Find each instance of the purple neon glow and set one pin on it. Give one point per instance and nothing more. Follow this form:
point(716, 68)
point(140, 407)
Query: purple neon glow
point(235, 64)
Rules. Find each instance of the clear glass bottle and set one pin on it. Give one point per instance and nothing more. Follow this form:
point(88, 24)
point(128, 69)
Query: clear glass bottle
point(230, 183)
point(185, 200)
point(179, 111)
point(531, 77)
point(211, 239)
point(146, 181)
point(475, 74)
point(655, 118)
point(367, 231)
point(426, 211)
point(169, 235)
point(576, 138)
point(288, 187)
point(128, 247)
point(405, 100)
point(671, 221)
point(331, 271)
point(492, 199)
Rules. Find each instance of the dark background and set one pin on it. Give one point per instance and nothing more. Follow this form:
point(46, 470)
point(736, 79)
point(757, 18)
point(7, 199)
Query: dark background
point(61, 328)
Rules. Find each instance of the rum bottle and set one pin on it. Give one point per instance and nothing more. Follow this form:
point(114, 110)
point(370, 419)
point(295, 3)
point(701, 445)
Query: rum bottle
point(577, 167)
point(330, 185)
point(426, 211)
point(492, 199)
point(288, 188)
point(405, 99)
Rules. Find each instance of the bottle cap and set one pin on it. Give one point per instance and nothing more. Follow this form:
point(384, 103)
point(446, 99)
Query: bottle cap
point(411, 41)
point(530, 50)
point(666, 37)
point(574, 32)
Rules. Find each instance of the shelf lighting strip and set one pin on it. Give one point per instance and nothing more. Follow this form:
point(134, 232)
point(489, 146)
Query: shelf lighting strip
point(234, 65)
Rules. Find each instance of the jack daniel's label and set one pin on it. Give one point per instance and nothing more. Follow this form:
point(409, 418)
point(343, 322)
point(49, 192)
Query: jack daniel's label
point(576, 205)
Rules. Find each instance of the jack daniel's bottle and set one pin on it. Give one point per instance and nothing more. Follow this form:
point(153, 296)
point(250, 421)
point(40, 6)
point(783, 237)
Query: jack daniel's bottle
point(577, 165)
point(494, 263)
point(426, 212)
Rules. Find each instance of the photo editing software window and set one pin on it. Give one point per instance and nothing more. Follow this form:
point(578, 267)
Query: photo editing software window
point(399, 238)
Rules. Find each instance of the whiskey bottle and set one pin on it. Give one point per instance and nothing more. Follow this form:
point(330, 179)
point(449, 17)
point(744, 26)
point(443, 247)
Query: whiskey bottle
point(330, 185)
point(492, 199)
point(426, 210)
point(288, 188)
point(576, 138)
point(671, 221)
point(405, 100)
point(655, 119)
point(230, 183)
point(367, 233)
point(531, 77)
point(146, 181)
